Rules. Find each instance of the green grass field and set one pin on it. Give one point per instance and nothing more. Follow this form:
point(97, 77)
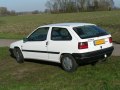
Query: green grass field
point(38, 75)
point(17, 27)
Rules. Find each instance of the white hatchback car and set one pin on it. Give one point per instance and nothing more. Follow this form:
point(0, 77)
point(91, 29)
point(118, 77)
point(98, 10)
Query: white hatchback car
point(65, 43)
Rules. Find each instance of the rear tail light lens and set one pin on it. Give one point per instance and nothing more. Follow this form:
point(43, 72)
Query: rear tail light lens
point(110, 39)
point(83, 45)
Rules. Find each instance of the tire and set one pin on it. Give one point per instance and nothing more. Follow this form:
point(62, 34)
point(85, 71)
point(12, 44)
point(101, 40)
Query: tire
point(69, 63)
point(18, 55)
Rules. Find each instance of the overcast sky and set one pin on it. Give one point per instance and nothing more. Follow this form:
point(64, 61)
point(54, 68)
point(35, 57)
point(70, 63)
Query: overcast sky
point(30, 5)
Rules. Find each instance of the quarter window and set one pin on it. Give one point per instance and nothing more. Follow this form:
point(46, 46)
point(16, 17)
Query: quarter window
point(39, 35)
point(60, 34)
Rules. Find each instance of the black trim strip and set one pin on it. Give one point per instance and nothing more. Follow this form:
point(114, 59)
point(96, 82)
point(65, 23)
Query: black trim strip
point(41, 51)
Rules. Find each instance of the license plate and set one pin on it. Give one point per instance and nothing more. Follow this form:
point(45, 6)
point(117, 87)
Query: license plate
point(99, 42)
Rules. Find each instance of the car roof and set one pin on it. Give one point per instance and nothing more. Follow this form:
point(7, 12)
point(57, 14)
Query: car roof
point(67, 24)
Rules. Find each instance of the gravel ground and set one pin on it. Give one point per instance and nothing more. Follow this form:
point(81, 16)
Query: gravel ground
point(7, 42)
point(116, 51)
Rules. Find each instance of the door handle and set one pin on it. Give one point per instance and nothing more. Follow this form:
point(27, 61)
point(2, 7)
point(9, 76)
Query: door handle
point(47, 43)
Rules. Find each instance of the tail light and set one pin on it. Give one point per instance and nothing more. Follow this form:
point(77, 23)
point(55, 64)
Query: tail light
point(83, 45)
point(110, 39)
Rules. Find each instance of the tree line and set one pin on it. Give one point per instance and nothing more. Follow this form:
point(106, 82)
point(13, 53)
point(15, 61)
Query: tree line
point(4, 11)
point(63, 6)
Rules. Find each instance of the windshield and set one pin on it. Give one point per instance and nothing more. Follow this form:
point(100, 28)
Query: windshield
point(89, 31)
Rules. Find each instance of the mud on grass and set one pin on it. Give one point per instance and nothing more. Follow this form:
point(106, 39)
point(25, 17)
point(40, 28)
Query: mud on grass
point(37, 75)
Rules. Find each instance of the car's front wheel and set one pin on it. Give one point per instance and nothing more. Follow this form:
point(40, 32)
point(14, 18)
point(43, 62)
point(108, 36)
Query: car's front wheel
point(69, 63)
point(18, 55)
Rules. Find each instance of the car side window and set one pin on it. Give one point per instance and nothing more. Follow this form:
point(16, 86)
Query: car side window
point(39, 35)
point(60, 34)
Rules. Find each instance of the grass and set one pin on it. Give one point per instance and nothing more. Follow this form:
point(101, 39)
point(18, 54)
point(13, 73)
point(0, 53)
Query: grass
point(36, 75)
point(19, 26)
point(11, 36)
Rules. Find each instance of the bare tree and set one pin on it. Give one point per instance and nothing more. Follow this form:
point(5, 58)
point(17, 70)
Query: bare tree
point(58, 6)
point(3, 11)
point(49, 6)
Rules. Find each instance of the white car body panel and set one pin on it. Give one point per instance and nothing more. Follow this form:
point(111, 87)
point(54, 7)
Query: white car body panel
point(35, 46)
point(16, 44)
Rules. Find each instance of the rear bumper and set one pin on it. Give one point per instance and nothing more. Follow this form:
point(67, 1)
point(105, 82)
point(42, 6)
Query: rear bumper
point(93, 56)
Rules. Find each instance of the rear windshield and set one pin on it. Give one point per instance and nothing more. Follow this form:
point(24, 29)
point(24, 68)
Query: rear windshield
point(89, 31)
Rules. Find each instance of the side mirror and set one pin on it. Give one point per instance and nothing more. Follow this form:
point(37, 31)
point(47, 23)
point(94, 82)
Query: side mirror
point(25, 40)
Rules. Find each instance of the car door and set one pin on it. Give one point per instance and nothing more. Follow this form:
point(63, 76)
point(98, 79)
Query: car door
point(35, 47)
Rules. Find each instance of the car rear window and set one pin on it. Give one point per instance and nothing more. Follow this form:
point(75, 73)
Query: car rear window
point(89, 31)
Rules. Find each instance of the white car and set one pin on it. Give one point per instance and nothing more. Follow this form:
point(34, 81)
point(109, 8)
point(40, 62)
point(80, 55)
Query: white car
point(65, 43)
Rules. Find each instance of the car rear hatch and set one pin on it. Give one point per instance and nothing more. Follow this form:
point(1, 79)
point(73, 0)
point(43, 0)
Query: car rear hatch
point(92, 38)
point(98, 43)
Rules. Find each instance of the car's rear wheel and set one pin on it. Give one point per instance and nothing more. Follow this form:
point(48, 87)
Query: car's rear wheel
point(68, 63)
point(18, 55)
